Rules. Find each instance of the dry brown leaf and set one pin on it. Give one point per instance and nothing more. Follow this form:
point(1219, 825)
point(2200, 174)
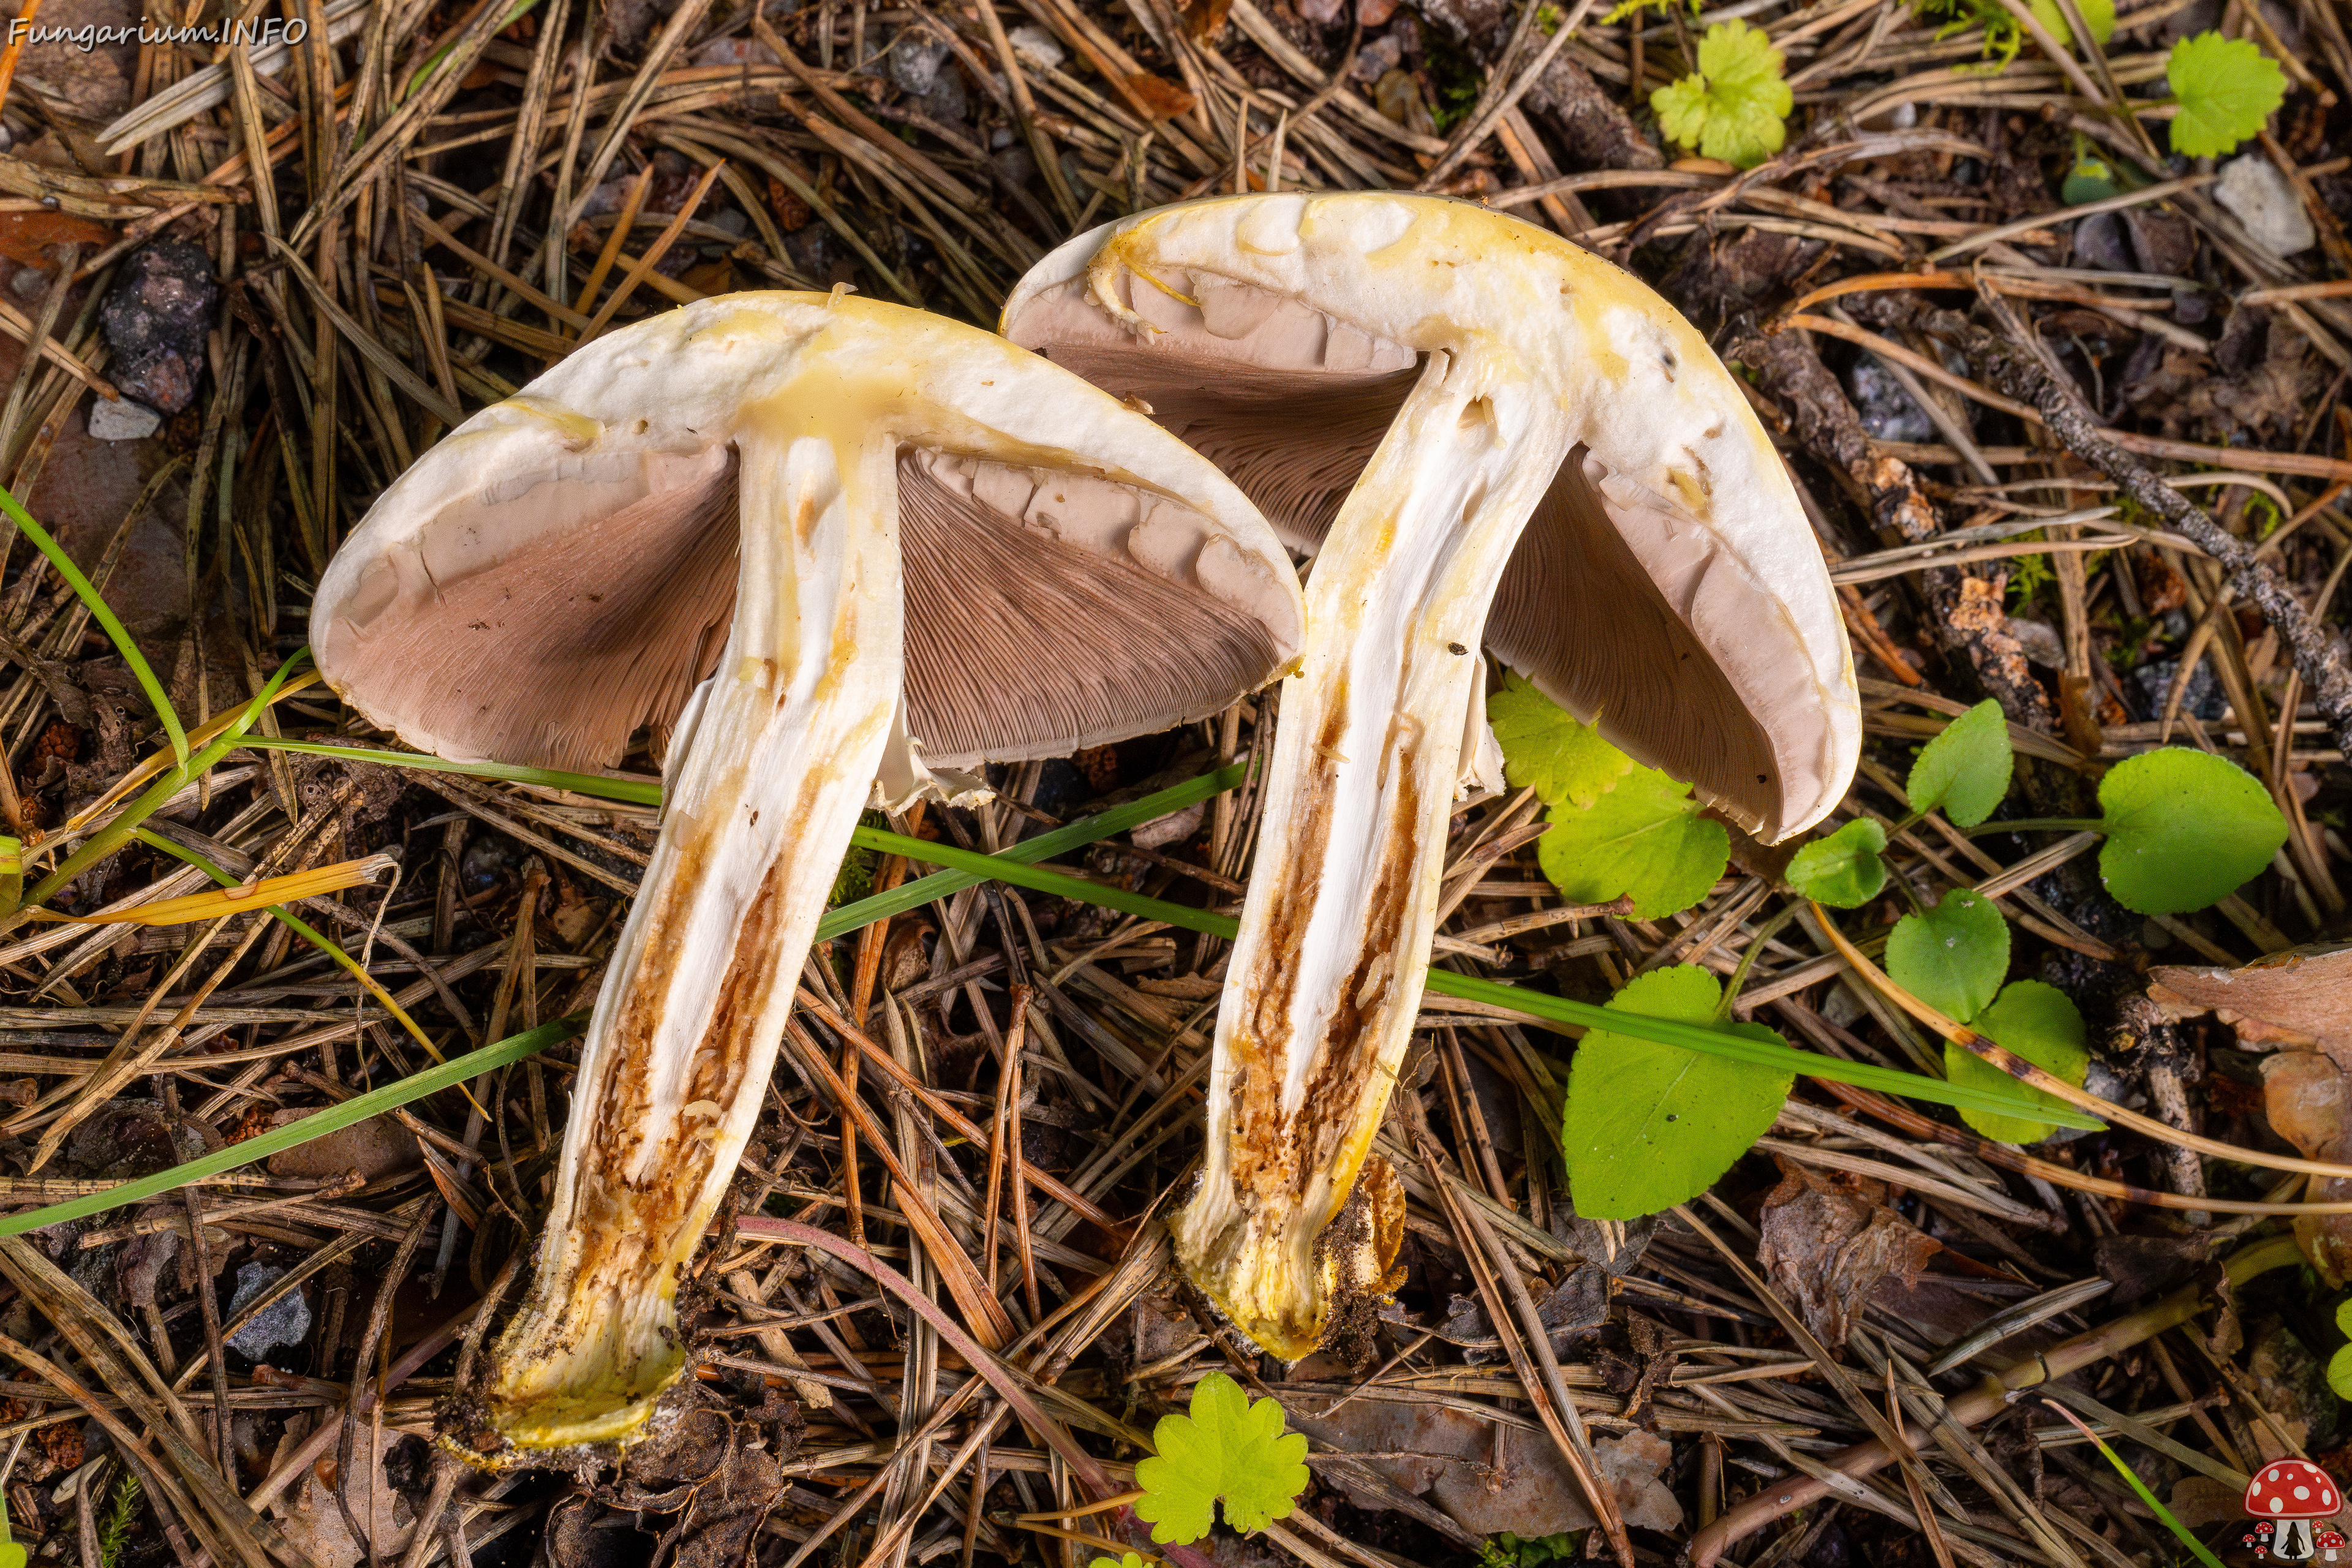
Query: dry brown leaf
point(1164, 99)
point(2298, 1004)
point(1490, 1477)
point(375, 1148)
point(2298, 997)
point(314, 1525)
point(1831, 1244)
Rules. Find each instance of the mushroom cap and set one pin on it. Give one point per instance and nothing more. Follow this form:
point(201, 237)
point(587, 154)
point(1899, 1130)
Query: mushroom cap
point(2291, 1489)
point(1668, 587)
point(561, 569)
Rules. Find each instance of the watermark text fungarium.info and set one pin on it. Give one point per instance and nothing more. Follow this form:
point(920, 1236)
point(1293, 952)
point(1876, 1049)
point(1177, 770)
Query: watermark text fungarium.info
point(257, 32)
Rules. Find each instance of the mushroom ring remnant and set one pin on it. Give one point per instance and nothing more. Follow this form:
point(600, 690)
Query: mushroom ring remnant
point(1488, 437)
point(864, 540)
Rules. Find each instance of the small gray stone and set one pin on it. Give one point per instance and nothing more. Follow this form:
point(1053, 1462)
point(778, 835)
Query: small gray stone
point(123, 421)
point(1036, 46)
point(2252, 189)
point(285, 1322)
point(2039, 640)
point(1887, 412)
point(915, 60)
point(30, 282)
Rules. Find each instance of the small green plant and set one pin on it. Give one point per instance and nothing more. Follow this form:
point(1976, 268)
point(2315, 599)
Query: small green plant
point(2028, 574)
point(1546, 749)
point(1618, 830)
point(2003, 36)
point(855, 878)
point(1952, 956)
point(12, 1552)
point(1965, 770)
point(2037, 1022)
point(1229, 1450)
point(1646, 839)
point(2225, 89)
point(1626, 8)
point(1845, 869)
point(1507, 1551)
point(2099, 16)
point(114, 1530)
point(1735, 106)
point(1647, 1126)
point(2184, 830)
point(2339, 1365)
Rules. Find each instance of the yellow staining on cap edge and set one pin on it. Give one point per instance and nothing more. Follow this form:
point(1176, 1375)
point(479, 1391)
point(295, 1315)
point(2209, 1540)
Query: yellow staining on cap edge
point(578, 430)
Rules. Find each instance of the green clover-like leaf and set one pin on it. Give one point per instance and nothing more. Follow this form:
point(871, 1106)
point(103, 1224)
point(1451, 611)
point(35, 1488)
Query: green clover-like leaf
point(1129, 1559)
point(1230, 1449)
point(1735, 106)
point(2226, 88)
point(1951, 957)
point(1649, 1126)
point(1644, 839)
point(2039, 1023)
point(2184, 830)
point(1550, 749)
point(1843, 870)
point(1965, 770)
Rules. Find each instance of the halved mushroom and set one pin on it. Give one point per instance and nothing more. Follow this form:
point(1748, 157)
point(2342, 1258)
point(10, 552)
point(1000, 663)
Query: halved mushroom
point(855, 520)
point(1487, 435)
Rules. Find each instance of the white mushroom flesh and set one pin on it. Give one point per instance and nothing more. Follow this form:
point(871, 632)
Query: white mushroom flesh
point(1032, 514)
point(1668, 585)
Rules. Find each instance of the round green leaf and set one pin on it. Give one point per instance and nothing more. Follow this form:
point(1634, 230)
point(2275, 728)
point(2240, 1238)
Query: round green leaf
point(1548, 748)
point(1964, 770)
point(2339, 1366)
point(2039, 1023)
point(1649, 1126)
point(2339, 1372)
point(1953, 956)
point(2184, 830)
point(1645, 839)
point(1843, 870)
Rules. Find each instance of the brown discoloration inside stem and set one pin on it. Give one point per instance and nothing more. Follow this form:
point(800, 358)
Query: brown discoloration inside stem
point(628, 1225)
point(1274, 1151)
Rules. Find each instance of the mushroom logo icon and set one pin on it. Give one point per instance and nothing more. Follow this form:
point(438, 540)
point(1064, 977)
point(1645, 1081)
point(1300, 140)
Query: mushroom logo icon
point(2289, 1494)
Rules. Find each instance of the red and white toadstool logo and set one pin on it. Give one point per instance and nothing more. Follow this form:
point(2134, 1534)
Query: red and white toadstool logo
point(2287, 1495)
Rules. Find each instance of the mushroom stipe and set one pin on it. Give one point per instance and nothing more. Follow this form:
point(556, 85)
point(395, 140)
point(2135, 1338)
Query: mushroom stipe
point(823, 548)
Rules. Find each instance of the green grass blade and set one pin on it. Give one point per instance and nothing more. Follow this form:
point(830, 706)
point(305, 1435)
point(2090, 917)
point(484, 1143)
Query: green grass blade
point(628, 792)
point(521, 9)
point(1045, 846)
point(1446, 983)
point(267, 694)
point(849, 917)
point(116, 834)
point(2132, 1479)
point(105, 616)
point(449, 1074)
